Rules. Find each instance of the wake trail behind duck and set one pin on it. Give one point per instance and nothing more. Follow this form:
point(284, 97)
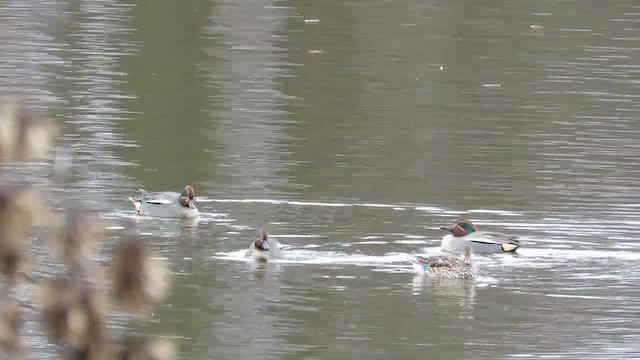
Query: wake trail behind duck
point(303, 256)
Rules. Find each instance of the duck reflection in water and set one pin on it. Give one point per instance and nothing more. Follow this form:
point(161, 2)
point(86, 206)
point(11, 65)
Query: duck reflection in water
point(446, 291)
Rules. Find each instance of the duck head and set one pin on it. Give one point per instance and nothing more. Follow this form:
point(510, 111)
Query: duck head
point(462, 227)
point(187, 197)
point(262, 242)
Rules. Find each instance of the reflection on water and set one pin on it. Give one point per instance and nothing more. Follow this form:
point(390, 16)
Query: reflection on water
point(352, 131)
point(446, 290)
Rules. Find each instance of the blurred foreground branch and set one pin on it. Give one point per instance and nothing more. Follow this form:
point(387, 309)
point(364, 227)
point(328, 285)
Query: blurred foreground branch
point(72, 306)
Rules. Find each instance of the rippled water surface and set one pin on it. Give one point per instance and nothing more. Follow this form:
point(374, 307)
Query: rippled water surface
point(351, 131)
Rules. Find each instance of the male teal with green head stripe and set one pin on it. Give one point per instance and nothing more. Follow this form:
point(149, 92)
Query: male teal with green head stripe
point(167, 204)
point(464, 233)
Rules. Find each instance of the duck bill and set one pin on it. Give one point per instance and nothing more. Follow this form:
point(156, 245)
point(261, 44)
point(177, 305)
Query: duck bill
point(447, 228)
point(265, 246)
point(192, 204)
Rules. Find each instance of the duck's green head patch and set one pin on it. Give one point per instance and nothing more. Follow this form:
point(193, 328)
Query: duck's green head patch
point(467, 227)
point(463, 227)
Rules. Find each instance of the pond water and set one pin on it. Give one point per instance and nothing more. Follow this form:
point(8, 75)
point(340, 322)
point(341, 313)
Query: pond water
point(351, 131)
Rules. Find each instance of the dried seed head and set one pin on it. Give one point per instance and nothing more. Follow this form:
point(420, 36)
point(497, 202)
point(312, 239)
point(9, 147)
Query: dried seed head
point(21, 208)
point(24, 204)
point(157, 279)
point(138, 279)
point(9, 114)
point(24, 135)
point(148, 349)
point(77, 241)
point(71, 313)
point(97, 350)
point(11, 344)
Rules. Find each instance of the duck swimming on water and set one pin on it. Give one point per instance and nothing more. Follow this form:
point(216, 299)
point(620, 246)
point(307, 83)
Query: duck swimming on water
point(166, 204)
point(464, 233)
point(263, 248)
point(445, 266)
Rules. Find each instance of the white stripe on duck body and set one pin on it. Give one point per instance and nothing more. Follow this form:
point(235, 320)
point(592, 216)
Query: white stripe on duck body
point(264, 248)
point(464, 233)
point(446, 266)
point(167, 204)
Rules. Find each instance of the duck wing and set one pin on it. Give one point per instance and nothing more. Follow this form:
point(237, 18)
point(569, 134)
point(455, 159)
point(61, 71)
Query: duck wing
point(167, 197)
point(436, 261)
point(275, 247)
point(249, 251)
point(492, 237)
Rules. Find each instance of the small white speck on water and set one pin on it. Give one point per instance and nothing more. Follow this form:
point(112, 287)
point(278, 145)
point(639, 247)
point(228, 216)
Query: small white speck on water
point(312, 21)
point(491, 85)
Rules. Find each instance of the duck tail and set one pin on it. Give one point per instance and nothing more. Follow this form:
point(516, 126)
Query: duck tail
point(136, 202)
point(417, 259)
point(510, 247)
